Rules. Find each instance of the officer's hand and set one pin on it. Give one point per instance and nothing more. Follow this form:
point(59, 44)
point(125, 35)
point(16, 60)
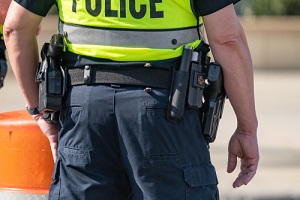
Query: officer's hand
point(244, 147)
point(51, 131)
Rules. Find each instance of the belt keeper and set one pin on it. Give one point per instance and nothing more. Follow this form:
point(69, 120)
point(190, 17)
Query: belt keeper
point(87, 74)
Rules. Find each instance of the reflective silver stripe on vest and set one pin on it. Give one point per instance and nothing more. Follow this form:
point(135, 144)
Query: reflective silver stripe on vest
point(126, 38)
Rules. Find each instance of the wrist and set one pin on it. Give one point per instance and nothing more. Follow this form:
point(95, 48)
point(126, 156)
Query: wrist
point(247, 124)
point(32, 110)
point(249, 129)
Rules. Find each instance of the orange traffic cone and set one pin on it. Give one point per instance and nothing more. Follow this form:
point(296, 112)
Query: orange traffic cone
point(26, 162)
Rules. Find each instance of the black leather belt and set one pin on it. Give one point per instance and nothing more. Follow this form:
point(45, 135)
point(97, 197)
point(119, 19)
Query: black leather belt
point(136, 76)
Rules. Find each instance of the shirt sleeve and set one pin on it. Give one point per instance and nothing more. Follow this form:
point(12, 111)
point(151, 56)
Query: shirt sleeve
point(39, 7)
point(206, 7)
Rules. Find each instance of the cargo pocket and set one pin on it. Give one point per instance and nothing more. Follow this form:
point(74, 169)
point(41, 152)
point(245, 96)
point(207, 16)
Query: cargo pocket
point(76, 157)
point(55, 185)
point(201, 183)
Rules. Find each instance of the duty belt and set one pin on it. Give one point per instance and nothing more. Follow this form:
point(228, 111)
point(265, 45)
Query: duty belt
point(135, 76)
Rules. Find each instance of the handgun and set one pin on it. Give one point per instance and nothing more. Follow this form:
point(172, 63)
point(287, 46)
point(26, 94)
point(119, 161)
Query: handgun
point(51, 76)
point(214, 99)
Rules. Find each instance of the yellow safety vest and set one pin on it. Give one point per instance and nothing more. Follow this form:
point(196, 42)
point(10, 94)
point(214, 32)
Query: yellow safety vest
point(128, 30)
point(1, 32)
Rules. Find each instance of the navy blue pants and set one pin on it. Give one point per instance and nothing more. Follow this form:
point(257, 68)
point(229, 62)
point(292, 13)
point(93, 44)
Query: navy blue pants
point(116, 144)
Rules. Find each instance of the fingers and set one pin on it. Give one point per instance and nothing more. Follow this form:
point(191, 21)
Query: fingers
point(51, 132)
point(53, 139)
point(54, 154)
point(248, 171)
point(245, 176)
point(244, 147)
point(53, 145)
point(231, 163)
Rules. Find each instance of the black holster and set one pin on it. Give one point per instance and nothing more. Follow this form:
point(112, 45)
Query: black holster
point(214, 99)
point(198, 84)
point(51, 76)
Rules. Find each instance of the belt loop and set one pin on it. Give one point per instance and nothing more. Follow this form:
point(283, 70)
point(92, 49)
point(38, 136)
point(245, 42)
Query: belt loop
point(87, 74)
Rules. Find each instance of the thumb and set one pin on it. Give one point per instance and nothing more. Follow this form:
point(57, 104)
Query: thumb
point(53, 139)
point(231, 163)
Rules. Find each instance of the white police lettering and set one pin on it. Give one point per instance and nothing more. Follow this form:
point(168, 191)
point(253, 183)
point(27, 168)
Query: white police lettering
point(94, 8)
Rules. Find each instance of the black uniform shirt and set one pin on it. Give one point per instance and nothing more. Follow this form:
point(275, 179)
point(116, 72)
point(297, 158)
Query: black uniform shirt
point(202, 7)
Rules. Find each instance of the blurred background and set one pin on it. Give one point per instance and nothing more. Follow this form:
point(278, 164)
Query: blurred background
point(273, 33)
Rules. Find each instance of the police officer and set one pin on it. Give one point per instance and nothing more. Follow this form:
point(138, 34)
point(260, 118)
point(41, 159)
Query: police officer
point(114, 140)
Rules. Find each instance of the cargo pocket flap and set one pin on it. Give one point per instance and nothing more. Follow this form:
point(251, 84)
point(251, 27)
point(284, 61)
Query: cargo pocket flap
point(200, 175)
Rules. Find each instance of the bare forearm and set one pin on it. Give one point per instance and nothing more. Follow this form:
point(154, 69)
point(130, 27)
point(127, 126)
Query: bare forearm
point(229, 47)
point(24, 65)
point(20, 38)
point(235, 58)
